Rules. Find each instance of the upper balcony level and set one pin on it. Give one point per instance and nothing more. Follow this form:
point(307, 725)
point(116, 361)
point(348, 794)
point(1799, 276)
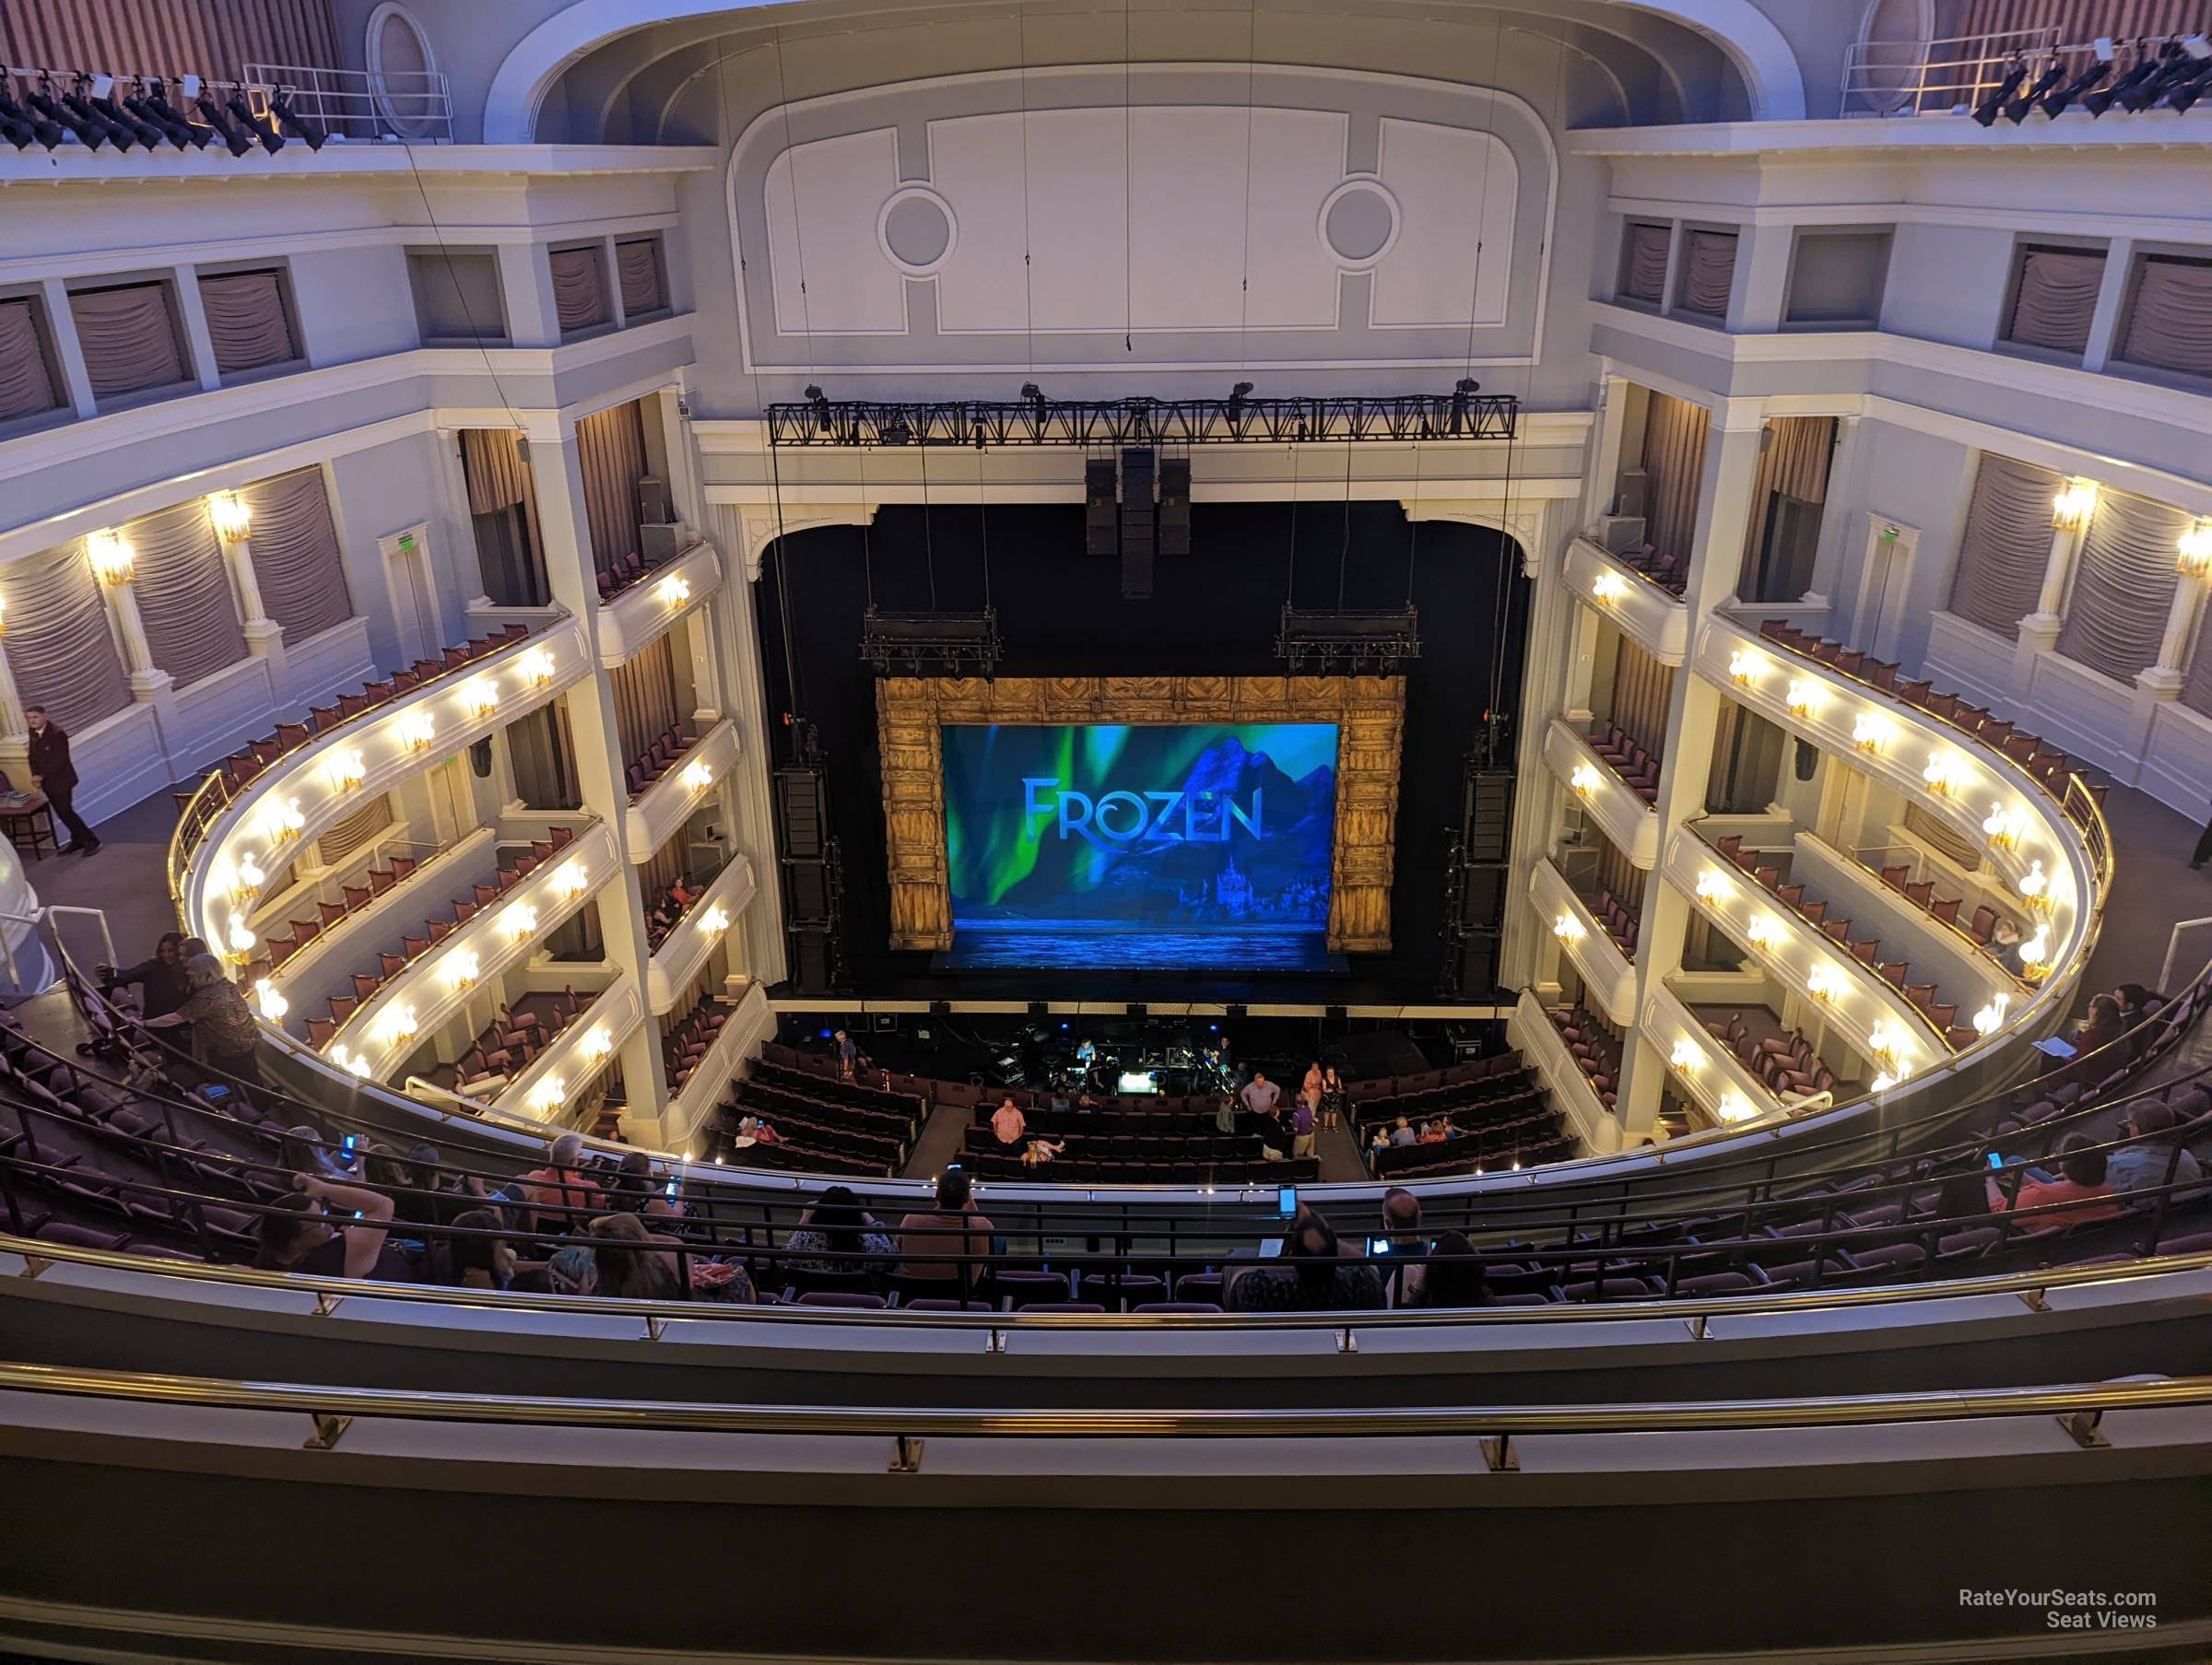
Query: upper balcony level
point(1645, 605)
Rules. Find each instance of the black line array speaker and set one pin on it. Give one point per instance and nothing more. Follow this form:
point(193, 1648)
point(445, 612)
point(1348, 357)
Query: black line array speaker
point(812, 893)
point(1175, 506)
point(1101, 513)
point(1487, 815)
point(1139, 538)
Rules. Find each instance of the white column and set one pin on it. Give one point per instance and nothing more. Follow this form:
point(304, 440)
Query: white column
point(2162, 684)
point(54, 294)
point(2039, 630)
point(195, 317)
point(265, 636)
point(147, 679)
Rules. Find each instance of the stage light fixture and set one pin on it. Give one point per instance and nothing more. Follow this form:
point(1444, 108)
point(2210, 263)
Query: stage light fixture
point(2016, 112)
point(930, 644)
point(1313, 642)
point(1986, 112)
point(1102, 508)
point(2058, 102)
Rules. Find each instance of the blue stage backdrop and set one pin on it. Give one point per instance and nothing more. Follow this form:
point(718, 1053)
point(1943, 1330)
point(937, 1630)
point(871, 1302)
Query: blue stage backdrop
point(1130, 846)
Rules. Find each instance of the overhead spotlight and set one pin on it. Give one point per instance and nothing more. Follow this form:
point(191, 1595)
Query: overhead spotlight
point(237, 142)
point(312, 134)
point(163, 119)
point(1237, 396)
point(2186, 93)
point(1462, 398)
point(157, 103)
point(1987, 111)
point(820, 401)
point(2057, 104)
point(2140, 94)
point(268, 138)
point(2016, 112)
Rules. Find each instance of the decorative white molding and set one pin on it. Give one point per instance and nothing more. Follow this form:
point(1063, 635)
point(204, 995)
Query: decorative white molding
point(1626, 819)
point(679, 960)
point(1608, 977)
point(649, 609)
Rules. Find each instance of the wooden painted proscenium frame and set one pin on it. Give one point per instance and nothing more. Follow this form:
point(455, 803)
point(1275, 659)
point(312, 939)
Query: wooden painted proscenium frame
point(1368, 712)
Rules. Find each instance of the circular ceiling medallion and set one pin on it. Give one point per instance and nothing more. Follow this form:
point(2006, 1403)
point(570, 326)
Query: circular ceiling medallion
point(1358, 223)
point(917, 229)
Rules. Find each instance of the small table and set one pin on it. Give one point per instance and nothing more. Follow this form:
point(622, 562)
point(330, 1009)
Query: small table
point(28, 828)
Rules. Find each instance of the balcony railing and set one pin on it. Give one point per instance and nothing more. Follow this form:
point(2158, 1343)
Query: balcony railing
point(588, 1045)
point(706, 923)
point(415, 105)
point(1607, 975)
point(1645, 611)
point(1531, 1029)
point(690, 1109)
point(1622, 815)
point(655, 605)
point(1703, 1068)
point(652, 819)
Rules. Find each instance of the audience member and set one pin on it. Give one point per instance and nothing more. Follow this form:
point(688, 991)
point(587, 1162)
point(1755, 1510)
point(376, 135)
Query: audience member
point(1408, 1244)
point(2151, 1124)
point(298, 1236)
point(1008, 1122)
point(2082, 1183)
point(2004, 946)
point(56, 777)
point(574, 1270)
point(848, 1056)
point(1436, 1132)
point(1311, 1084)
point(1040, 1152)
point(1260, 1094)
point(2102, 1027)
point(952, 1228)
point(551, 1193)
point(837, 1224)
point(225, 1033)
point(635, 1264)
point(160, 980)
point(1302, 1116)
point(481, 1262)
point(1452, 1274)
point(1317, 1280)
point(1332, 1099)
point(1403, 1133)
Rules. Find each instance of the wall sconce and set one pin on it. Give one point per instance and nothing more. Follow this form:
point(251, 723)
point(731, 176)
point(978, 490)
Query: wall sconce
point(596, 1044)
point(1712, 888)
point(3, 616)
point(1568, 929)
point(1763, 932)
point(273, 1005)
point(250, 880)
point(416, 732)
point(1945, 773)
point(1583, 779)
point(233, 521)
point(1688, 1056)
point(1743, 668)
point(550, 1095)
point(1734, 1106)
point(398, 1024)
point(1608, 587)
point(676, 590)
point(461, 969)
point(2004, 827)
point(536, 667)
point(1804, 698)
point(519, 922)
point(1987, 1020)
point(283, 822)
point(1869, 733)
point(240, 942)
point(2035, 955)
point(716, 921)
point(347, 770)
point(2194, 550)
point(353, 1063)
point(1889, 1043)
point(697, 777)
point(2035, 886)
point(481, 697)
point(113, 560)
point(570, 880)
point(1824, 983)
point(2072, 509)
point(1882, 1083)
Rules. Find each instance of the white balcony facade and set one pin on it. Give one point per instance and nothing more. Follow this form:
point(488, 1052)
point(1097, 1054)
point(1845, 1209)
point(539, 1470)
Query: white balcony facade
point(750, 1024)
point(1702, 1068)
point(1631, 823)
point(649, 609)
point(1531, 1031)
point(1607, 975)
point(680, 958)
point(1655, 619)
point(581, 1051)
point(652, 818)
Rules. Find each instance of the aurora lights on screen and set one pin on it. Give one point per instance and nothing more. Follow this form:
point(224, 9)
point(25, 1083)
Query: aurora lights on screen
point(1136, 845)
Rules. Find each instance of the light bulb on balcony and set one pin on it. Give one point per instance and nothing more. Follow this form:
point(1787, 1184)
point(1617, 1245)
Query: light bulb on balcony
point(114, 563)
point(596, 1044)
point(1869, 733)
point(550, 1095)
point(2004, 827)
point(1608, 587)
point(1568, 929)
point(347, 770)
point(250, 880)
point(272, 1003)
point(2035, 952)
point(536, 667)
point(520, 921)
point(1882, 1083)
point(416, 731)
point(2194, 550)
point(2035, 886)
point(353, 1063)
point(715, 920)
point(2072, 509)
point(676, 590)
point(1583, 779)
point(1804, 696)
point(1824, 982)
point(1988, 1020)
point(1764, 931)
point(570, 880)
point(1712, 887)
point(1945, 773)
point(1688, 1056)
point(397, 1024)
point(461, 968)
point(233, 521)
point(1734, 1106)
point(1743, 667)
point(240, 941)
point(697, 776)
point(481, 697)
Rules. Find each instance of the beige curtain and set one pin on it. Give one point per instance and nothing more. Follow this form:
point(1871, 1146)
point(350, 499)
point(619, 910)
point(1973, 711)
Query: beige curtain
point(2005, 546)
point(1644, 273)
point(638, 268)
point(1937, 834)
point(543, 762)
point(247, 320)
point(296, 562)
point(184, 599)
point(497, 472)
point(610, 448)
point(212, 38)
point(1794, 461)
point(2169, 327)
point(667, 866)
point(2196, 684)
point(646, 704)
point(355, 830)
point(2057, 300)
point(26, 385)
point(1642, 688)
point(2076, 20)
point(129, 338)
point(1674, 466)
point(59, 643)
point(1708, 272)
point(2124, 585)
point(579, 290)
point(1617, 873)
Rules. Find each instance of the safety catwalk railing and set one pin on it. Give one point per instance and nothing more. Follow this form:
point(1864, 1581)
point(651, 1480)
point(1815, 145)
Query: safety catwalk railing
point(1462, 414)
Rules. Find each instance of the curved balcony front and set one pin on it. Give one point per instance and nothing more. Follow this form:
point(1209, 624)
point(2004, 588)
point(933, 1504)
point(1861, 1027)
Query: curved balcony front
point(1653, 617)
point(655, 813)
point(664, 598)
point(1608, 979)
point(577, 1054)
point(1704, 1070)
point(680, 958)
point(1612, 803)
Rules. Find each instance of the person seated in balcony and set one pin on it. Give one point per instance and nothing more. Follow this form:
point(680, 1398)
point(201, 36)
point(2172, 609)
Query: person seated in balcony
point(2082, 1183)
point(1007, 1122)
point(1040, 1152)
point(1402, 1133)
point(298, 1236)
point(574, 1271)
point(225, 1033)
point(683, 894)
point(2004, 946)
point(837, 1224)
point(954, 1227)
point(1408, 1244)
point(160, 980)
point(1317, 1279)
point(636, 1265)
point(2150, 1125)
point(757, 1130)
point(2103, 1025)
point(2139, 1005)
point(479, 1260)
point(551, 1193)
point(1452, 1277)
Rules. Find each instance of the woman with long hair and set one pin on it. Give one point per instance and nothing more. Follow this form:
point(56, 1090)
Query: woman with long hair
point(839, 1225)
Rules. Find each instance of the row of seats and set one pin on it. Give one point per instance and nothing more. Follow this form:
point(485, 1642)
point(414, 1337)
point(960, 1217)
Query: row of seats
point(1786, 1062)
point(1628, 757)
point(666, 752)
point(511, 1041)
point(626, 570)
point(1531, 1136)
point(1621, 922)
point(1592, 1045)
point(685, 1045)
point(1670, 572)
point(1983, 925)
point(1478, 1083)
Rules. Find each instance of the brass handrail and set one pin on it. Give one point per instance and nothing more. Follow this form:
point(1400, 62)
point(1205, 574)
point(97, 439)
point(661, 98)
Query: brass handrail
point(2088, 1400)
point(1678, 1308)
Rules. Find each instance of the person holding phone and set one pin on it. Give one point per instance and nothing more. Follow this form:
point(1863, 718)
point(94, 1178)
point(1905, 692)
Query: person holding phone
point(299, 1234)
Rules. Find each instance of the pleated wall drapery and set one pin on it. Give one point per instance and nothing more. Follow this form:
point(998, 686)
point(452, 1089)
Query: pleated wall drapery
point(26, 381)
point(638, 269)
point(184, 597)
point(247, 320)
point(610, 447)
point(2169, 323)
point(2057, 300)
point(129, 338)
point(540, 753)
point(1617, 873)
point(646, 704)
point(296, 562)
point(59, 643)
point(211, 38)
point(2124, 585)
point(2078, 21)
point(2196, 681)
point(667, 866)
point(493, 465)
point(1643, 688)
point(580, 289)
point(1709, 268)
point(1643, 272)
point(355, 830)
point(1939, 836)
point(2006, 544)
point(1794, 461)
point(1674, 466)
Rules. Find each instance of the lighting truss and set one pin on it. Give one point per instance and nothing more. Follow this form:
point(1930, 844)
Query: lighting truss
point(930, 644)
point(1322, 643)
point(1464, 414)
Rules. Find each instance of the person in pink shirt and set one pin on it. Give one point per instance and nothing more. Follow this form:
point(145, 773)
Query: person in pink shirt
point(1008, 1122)
point(2083, 1183)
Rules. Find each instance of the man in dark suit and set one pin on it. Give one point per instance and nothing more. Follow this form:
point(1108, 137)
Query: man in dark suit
point(56, 777)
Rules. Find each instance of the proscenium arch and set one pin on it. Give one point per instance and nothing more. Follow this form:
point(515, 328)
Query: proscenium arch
point(1758, 49)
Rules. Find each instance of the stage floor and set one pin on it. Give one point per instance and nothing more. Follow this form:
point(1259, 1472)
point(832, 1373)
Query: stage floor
point(1081, 945)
